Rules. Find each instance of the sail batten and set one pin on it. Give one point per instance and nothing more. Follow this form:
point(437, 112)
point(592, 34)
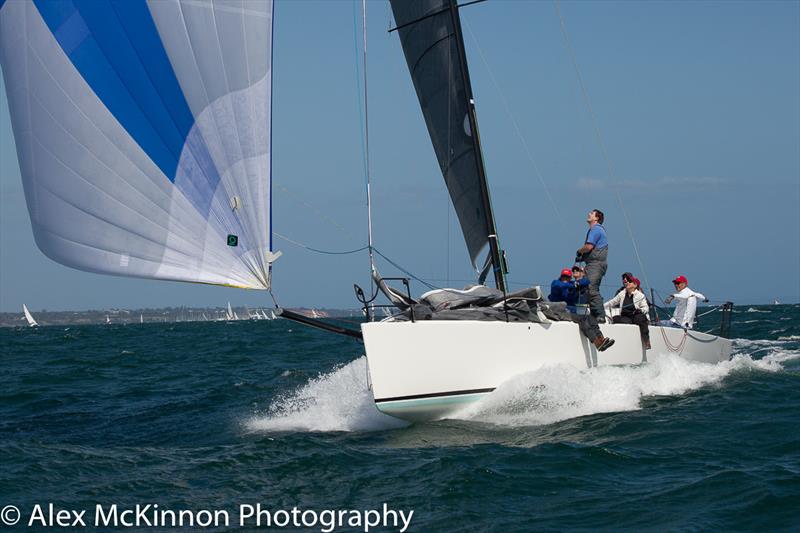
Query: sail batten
point(136, 123)
point(430, 36)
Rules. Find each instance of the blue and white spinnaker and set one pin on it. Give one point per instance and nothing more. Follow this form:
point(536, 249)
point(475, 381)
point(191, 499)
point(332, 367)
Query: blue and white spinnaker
point(143, 134)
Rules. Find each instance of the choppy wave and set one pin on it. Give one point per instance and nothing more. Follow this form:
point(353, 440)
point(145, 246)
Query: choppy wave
point(336, 401)
point(754, 310)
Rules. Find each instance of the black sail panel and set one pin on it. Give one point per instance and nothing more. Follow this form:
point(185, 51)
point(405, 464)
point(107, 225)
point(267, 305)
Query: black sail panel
point(431, 47)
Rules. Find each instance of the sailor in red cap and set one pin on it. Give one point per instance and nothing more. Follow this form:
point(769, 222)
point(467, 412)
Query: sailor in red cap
point(562, 289)
point(565, 289)
point(685, 304)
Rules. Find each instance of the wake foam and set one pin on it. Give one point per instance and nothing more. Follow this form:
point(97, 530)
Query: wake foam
point(335, 401)
point(340, 400)
point(558, 393)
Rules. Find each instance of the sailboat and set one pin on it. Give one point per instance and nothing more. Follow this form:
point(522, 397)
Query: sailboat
point(425, 368)
point(151, 157)
point(28, 316)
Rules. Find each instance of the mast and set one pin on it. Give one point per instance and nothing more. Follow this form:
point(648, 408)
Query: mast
point(366, 139)
point(494, 248)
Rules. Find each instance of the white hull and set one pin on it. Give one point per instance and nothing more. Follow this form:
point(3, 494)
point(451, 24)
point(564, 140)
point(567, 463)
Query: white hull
point(429, 369)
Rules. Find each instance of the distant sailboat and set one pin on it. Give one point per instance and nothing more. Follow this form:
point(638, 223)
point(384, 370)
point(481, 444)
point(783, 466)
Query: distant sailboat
point(28, 316)
point(776, 302)
point(108, 320)
point(141, 318)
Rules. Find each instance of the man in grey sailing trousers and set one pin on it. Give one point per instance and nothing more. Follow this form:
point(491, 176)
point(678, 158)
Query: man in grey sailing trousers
point(594, 253)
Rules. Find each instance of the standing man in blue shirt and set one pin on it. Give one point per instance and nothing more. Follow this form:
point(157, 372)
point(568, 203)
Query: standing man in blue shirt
point(594, 253)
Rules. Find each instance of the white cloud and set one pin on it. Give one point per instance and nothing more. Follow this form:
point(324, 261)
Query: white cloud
point(667, 182)
point(590, 184)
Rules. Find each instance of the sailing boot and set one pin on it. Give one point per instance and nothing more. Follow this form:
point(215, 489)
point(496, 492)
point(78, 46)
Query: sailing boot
point(603, 343)
point(646, 344)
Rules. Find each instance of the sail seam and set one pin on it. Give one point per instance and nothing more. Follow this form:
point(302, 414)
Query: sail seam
point(35, 98)
point(142, 195)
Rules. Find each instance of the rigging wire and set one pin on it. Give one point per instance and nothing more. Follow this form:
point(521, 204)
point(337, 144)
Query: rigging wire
point(365, 142)
point(315, 210)
point(358, 91)
point(317, 250)
point(599, 136)
point(517, 129)
point(405, 271)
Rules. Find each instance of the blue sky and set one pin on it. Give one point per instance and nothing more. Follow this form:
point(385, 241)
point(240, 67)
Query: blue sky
point(698, 105)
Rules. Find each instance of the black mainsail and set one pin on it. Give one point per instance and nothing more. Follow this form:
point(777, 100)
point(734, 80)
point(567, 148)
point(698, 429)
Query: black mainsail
point(430, 33)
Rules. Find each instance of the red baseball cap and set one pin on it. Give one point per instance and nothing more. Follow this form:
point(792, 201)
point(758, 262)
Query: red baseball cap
point(680, 279)
point(566, 272)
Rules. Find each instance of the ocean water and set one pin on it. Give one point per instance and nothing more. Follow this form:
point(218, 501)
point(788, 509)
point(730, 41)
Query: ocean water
point(194, 416)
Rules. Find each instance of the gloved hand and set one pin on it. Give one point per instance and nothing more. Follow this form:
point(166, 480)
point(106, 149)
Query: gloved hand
point(579, 258)
point(668, 299)
point(705, 301)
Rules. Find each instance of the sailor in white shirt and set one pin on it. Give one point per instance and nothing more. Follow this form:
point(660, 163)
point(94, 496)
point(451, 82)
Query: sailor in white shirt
point(685, 306)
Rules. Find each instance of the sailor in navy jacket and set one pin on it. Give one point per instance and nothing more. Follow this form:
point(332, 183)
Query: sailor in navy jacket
point(563, 288)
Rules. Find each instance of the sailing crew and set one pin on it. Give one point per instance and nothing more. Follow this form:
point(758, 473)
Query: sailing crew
point(581, 305)
point(566, 290)
point(625, 276)
point(594, 253)
point(632, 305)
point(562, 289)
point(685, 306)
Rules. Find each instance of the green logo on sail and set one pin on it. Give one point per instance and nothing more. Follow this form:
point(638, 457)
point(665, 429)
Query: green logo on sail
point(233, 240)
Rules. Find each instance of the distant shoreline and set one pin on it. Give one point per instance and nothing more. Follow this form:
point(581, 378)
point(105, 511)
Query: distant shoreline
point(187, 314)
point(157, 315)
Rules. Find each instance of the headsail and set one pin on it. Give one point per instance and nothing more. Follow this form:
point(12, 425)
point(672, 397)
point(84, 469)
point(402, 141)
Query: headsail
point(143, 134)
point(28, 316)
point(430, 34)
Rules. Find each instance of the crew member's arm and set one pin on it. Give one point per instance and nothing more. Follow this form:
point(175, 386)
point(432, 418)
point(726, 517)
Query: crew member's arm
point(643, 307)
point(585, 249)
point(614, 301)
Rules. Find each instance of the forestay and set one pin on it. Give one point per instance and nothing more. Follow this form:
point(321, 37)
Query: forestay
point(143, 134)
